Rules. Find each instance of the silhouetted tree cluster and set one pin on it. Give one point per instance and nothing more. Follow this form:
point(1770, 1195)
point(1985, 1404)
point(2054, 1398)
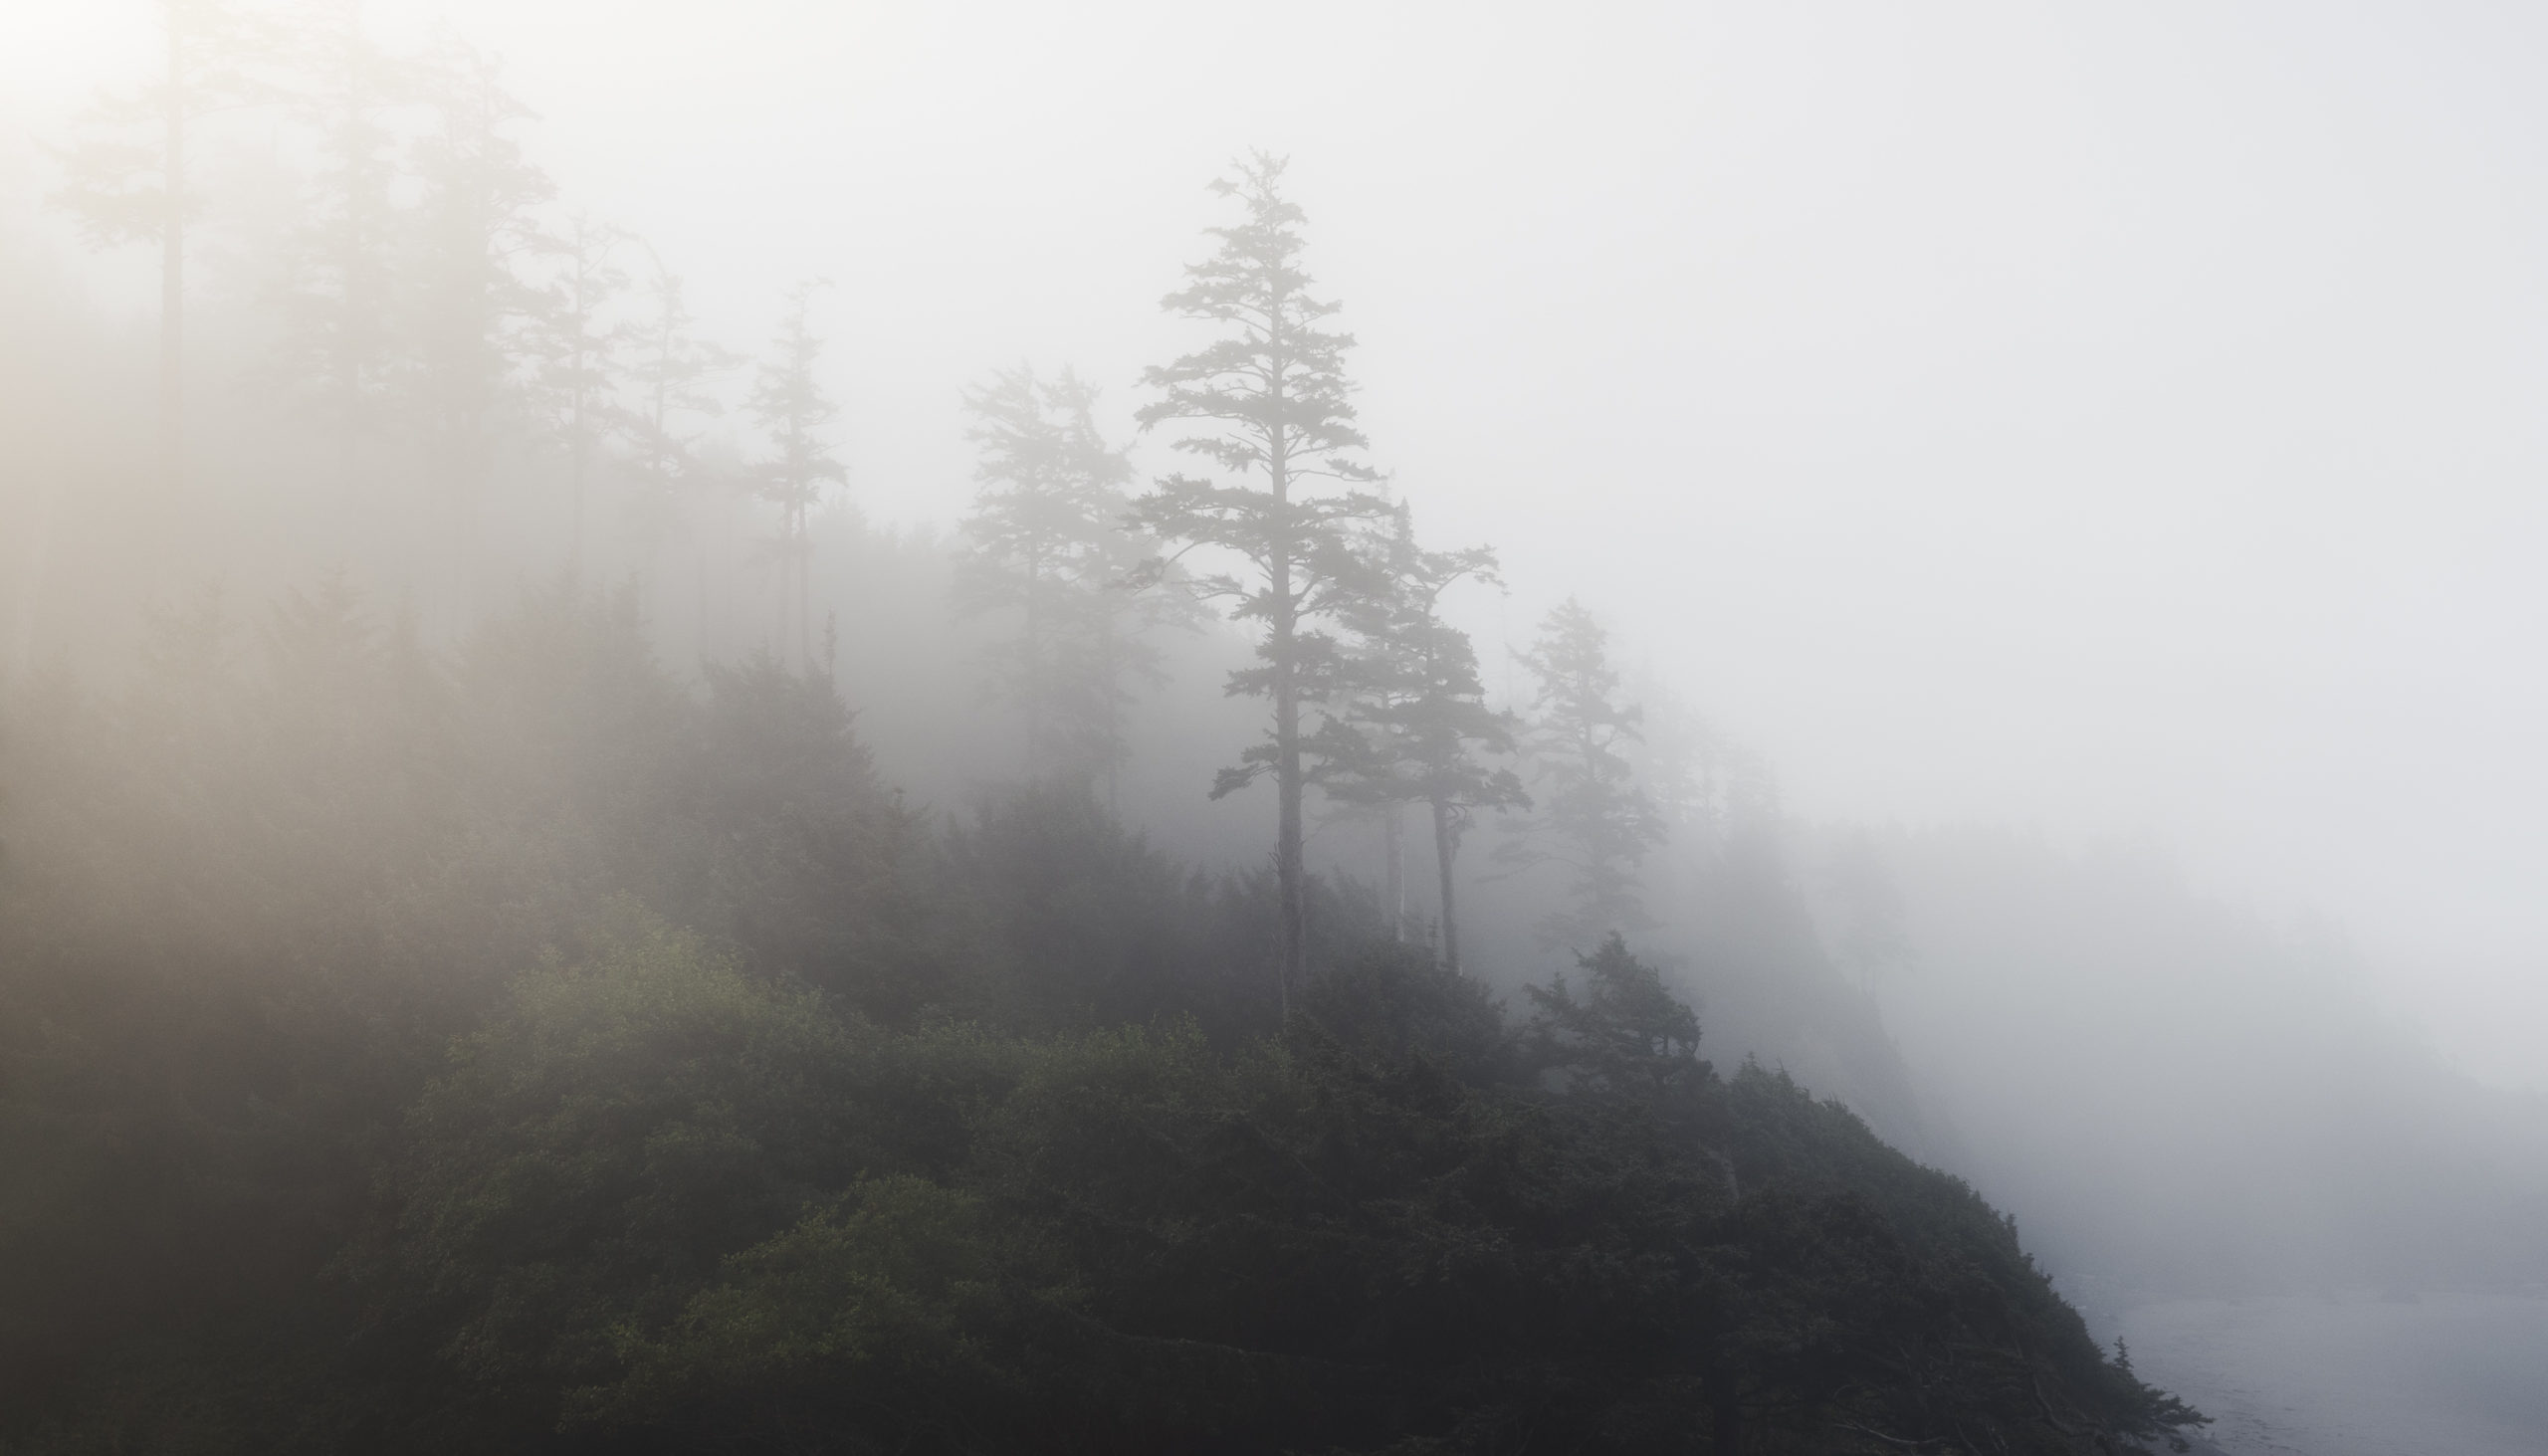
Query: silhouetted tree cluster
point(1409, 723)
point(450, 323)
point(432, 308)
point(1049, 550)
point(431, 1022)
point(509, 1049)
point(1595, 821)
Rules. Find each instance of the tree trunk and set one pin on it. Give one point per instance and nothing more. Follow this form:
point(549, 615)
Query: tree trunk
point(1288, 867)
point(1393, 868)
point(803, 567)
point(575, 547)
point(1289, 871)
point(172, 269)
point(1445, 849)
point(1111, 673)
point(699, 616)
point(1037, 672)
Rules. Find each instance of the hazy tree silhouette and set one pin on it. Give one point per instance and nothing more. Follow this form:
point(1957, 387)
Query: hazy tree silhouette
point(1046, 542)
point(126, 171)
point(790, 404)
point(337, 291)
point(1410, 722)
point(475, 231)
point(667, 396)
point(666, 378)
point(506, 1036)
point(1593, 818)
point(579, 350)
point(1276, 407)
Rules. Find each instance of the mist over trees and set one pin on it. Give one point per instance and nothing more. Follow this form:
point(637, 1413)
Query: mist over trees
point(1595, 821)
point(528, 922)
point(1274, 398)
point(1407, 723)
point(1047, 545)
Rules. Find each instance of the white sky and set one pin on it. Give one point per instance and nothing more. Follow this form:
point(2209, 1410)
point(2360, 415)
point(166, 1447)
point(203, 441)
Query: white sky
point(2118, 419)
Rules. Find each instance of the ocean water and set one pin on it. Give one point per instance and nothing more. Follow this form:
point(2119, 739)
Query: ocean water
point(2357, 1374)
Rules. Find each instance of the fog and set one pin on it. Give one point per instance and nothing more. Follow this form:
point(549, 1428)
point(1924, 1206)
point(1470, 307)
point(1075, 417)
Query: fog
point(2062, 487)
point(2109, 423)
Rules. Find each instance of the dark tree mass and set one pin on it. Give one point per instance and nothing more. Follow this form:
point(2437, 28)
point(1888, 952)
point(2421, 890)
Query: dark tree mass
point(501, 994)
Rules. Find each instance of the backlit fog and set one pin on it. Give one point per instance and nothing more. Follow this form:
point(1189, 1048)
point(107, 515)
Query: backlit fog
point(2065, 484)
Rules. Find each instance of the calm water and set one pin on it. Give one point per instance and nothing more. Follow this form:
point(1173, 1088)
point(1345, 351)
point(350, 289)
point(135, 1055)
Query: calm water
point(2355, 1374)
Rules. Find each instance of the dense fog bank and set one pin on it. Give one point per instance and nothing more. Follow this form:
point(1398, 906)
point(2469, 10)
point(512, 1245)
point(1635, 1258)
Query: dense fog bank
point(537, 915)
point(2175, 1096)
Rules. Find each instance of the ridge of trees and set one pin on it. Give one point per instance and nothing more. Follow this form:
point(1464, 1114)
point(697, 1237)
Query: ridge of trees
point(485, 1038)
point(1411, 724)
point(1046, 541)
point(510, 1049)
point(434, 306)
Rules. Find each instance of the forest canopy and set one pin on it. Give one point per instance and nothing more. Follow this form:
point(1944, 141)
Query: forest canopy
point(493, 993)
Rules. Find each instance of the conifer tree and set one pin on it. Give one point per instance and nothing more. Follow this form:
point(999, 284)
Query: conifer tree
point(1595, 819)
point(125, 171)
point(471, 302)
point(1275, 406)
point(666, 376)
point(578, 349)
point(667, 379)
point(1046, 542)
point(1411, 723)
point(789, 403)
point(339, 345)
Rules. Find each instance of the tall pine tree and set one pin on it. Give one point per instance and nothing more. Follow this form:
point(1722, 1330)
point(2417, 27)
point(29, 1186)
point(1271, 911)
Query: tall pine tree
point(579, 350)
point(1276, 414)
point(1595, 819)
point(667, 375)
point(339, 344)
point(669, 368)
point(124, 174)
point(471, 302)
point(1411, 724)
point(1047, 545)
point(789, 402)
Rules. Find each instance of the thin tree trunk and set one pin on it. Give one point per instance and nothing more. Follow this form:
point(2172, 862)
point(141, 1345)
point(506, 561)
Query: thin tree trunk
point(172, 268)
point(1288, 867)
point(699, 616)
point(1289, 873)
point(804, 595)
point(1445, 849)
point(1111, 673)
point(576, 550)
point(726, 639)
point(1393, 868)
point(1037, 671)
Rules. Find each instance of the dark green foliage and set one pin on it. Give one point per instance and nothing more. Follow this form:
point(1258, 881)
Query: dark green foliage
point(388, 1116)
point(1094, 927)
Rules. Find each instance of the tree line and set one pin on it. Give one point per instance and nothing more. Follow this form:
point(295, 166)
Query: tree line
point(435, 307)
point(504, 1047)
point(490, 1037)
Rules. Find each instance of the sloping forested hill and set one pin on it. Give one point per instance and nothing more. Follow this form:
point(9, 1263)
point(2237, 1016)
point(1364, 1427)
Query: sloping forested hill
point(511, 1050)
